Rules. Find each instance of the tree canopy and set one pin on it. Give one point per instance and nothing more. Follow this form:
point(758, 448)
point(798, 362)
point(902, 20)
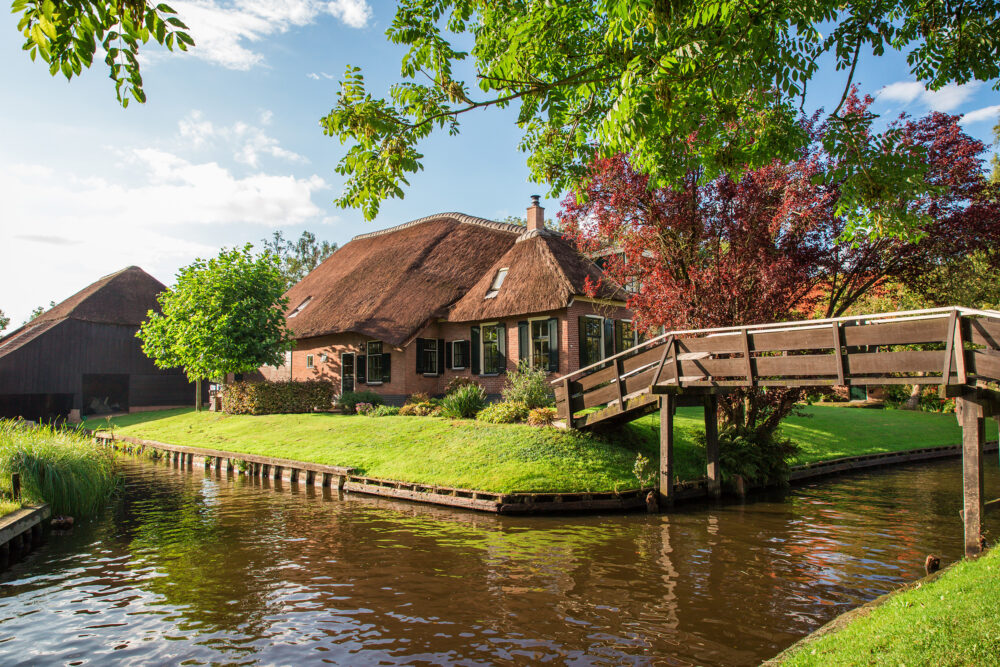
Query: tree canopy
point(297, 258)
point(4, 321)
point(714, 86)
point(224, 315)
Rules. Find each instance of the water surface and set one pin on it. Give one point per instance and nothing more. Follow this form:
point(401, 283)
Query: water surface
point(197, 569)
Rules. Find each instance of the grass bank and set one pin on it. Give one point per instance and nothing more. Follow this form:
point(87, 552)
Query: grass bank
point(62, 468)
point(952, 620)
point(505, 458)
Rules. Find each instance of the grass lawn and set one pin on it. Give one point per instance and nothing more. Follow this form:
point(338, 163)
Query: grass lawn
point(506, 458)
point(953, 620)
point(8, 507)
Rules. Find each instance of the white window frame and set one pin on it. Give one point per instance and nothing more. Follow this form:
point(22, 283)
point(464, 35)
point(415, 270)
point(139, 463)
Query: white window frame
point(482, 348)
point(635, 335)
point(601, 319)
point(531, 339)
point(453, 367)
point(299, 308)
point(309, 361)
point(368, 367)
point(435, 366)
point(499, 277)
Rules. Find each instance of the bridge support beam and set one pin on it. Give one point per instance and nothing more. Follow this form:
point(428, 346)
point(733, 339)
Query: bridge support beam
point(667, 405)
point(712, 444)
point(971, 415)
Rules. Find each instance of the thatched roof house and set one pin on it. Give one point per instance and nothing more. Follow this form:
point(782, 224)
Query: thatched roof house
point(408, 308)
point(82, 356)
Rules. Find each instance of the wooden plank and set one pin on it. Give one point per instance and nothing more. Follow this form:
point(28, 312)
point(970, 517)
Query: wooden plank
point(986, 365)
point(796, 365)
point(903, 332)
point(794, 340)
point(670, 343)
point(907, 361)
point(644, 358)
point(949, 348)
point(666, 451)
point(973, 439)
point(838, 353)
point(747, 365)
point(712, 445)
point(728, 343)
point(596, 378)
point(985, 331)
point(959, 345)
point(619, 385)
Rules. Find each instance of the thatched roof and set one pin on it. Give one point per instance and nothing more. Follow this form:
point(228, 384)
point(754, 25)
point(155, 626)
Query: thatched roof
point(544, 272)
point(123, 297)
point(388, 284)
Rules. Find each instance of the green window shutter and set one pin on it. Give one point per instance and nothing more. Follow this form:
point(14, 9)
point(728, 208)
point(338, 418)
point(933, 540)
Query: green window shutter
point(582, 324)
point(609, 337)
point(466, 351)
point(523, 341)
point(448, 361)
point(386, 367)
point(362, 369)
point(440, 356)
point(502, 347)
point(420, 355)
point(474, 344)
point(553, 343)
point(620, 343)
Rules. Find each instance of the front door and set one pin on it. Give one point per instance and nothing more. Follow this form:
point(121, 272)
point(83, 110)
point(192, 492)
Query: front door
point(347, 372)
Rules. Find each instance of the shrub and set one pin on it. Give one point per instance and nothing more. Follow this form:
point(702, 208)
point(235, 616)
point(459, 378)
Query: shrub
point(64, 468)
point(458, 382)
point(418, 397)
point(507, 412)
point(363, 408)
point(759, 455)
point(268, 398)
point(417, 409)
point(383, 411)
point(541, 416)
point(897, 396)
point(349, 399)
point(529, 386)
point(464, 402)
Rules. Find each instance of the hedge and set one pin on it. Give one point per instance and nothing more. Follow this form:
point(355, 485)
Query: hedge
point(268, 398)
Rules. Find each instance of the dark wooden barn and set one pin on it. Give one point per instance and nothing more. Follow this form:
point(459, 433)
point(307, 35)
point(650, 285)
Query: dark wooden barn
point(82, 358)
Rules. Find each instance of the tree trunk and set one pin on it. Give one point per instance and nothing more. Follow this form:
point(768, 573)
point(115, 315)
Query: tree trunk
point(197, 395)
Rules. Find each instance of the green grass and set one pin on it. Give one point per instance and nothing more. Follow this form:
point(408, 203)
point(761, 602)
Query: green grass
point(953, 620)
point(8, 507)
point(63, 468)
point(504, 458)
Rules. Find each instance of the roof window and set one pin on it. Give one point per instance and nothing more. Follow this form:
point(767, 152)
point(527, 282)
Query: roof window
point(497, 283)
point(300, 307)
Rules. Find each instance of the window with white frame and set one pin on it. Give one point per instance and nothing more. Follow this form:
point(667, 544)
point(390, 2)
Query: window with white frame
point(490, 345)
point(431, 357)
point(539, 343)
point(591, 340)
point(309, 361)
point(497, 283)
point(458, 360)
point(300, 307)
point(374, 361)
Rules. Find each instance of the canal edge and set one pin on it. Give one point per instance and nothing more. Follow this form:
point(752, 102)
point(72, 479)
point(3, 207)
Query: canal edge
point(21, 530)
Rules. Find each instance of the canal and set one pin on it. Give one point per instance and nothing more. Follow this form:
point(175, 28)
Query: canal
point(189, 568)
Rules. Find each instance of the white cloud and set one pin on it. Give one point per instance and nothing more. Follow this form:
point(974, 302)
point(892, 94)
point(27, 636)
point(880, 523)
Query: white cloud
point(224, 29)
point(946, 99)
point(316, 77)
point(246, 142)
point(979, 115)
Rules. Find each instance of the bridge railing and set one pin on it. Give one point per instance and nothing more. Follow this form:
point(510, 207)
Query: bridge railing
point(941, 346)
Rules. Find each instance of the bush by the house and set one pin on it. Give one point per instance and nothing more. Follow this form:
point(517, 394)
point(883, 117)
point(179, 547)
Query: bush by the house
point(268, 398)
point(420, 410)
point(418, 397)
point(363, 408)
point(507, 412)
point(464, 402)
point(349, 400)
point(383, 411)
point(458, 382)
point(529, 386)
point(541, 416)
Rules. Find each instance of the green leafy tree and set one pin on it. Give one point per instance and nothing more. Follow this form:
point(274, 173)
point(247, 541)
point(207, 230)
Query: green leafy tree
point(298, 258)
point(66, 35)
point(38, 310)
point(4, 321)
point(995, 176)
point(224, 315)
point(715, 87)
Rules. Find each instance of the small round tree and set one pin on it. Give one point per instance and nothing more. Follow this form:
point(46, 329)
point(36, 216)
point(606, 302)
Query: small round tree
point(224, 315)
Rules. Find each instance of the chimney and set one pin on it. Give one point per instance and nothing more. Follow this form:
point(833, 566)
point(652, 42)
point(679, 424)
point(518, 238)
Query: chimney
point(536, 215)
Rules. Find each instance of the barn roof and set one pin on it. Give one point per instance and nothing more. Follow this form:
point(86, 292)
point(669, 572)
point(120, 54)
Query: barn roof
point(388, 284)
point(123, 297)
point(544, 272)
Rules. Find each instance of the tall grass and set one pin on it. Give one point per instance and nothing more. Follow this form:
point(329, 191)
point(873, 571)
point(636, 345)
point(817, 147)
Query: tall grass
point(61, 467)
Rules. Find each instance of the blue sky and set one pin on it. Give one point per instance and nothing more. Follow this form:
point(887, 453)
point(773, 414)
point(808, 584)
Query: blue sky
point(228, 148)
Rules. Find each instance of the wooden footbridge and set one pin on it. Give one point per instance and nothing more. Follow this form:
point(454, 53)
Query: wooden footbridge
point(957, 349)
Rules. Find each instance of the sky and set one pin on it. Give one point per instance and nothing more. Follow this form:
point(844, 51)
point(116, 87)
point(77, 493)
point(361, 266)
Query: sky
point(228, 147)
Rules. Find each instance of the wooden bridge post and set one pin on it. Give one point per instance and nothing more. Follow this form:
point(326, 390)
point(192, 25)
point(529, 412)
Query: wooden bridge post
point(971, 417)
point(667, 450)
point(712, 444)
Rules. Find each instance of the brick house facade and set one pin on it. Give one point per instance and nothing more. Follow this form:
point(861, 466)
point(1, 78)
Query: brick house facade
point(461, 297)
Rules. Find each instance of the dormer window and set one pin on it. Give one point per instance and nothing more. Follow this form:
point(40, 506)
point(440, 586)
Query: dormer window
point(497, 283)
point(300, 307)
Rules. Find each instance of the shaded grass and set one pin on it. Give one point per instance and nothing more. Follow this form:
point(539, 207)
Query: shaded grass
point(505, 458)
point(8, 507)
point(63, 468)
point(953, 620)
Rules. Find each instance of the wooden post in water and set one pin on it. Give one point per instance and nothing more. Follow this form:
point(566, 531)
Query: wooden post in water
point(971, 417)
point(666, 450)
point(712, 444)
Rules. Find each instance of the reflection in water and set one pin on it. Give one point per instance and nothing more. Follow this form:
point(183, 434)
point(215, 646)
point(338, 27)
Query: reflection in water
point(205, 569)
